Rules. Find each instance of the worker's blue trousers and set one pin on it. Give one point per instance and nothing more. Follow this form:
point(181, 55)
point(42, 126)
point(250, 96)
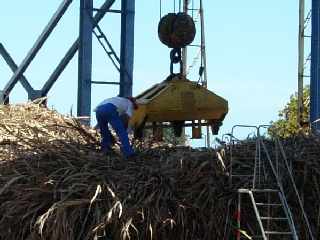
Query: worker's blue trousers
point(108, 113)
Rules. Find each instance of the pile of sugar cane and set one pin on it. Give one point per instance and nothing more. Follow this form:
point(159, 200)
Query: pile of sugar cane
point(55, 184)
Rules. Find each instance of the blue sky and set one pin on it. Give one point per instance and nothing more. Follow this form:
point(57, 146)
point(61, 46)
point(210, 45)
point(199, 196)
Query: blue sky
point(251, 50)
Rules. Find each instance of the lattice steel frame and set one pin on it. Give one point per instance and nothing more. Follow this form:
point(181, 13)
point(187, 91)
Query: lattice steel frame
point(83, 44)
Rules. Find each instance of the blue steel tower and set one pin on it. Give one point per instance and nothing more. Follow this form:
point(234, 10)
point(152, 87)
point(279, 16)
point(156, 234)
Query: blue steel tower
point(315, 67)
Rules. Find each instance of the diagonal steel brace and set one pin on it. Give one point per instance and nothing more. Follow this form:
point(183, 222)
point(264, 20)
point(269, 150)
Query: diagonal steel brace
point(13, 66)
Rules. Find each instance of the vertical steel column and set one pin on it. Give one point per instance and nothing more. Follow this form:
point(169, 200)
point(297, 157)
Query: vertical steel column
point(301, 62)
point(185, 49)
point(315, 67)
point(127, 47)
point(204, 60)
point(85, 58)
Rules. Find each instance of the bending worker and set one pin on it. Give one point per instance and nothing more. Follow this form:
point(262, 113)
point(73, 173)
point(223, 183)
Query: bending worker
point(116, 111)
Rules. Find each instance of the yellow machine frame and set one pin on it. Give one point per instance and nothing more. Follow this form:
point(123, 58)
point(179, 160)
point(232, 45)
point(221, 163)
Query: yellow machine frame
point(179, 100)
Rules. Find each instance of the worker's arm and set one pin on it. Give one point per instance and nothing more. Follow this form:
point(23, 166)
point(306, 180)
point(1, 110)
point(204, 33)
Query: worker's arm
point(125, 119)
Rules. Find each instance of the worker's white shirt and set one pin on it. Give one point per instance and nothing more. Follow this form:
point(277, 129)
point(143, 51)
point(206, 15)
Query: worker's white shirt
point(123, 105)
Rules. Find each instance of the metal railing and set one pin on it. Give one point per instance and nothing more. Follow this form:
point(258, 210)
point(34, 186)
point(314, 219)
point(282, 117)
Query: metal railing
point(296, 192)
point(233, 139)
point(281, 189)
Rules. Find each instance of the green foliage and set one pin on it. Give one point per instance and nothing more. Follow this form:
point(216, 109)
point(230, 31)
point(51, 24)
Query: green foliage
point(287, 125)
point(169, 137)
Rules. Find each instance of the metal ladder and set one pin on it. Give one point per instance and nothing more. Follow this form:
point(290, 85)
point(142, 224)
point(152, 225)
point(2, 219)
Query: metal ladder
point(109, 50)
point(272, 213)
point(267, 195)
point(106, 45)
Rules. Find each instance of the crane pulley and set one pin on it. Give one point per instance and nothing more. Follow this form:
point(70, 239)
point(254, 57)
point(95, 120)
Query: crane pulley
point(176, 30)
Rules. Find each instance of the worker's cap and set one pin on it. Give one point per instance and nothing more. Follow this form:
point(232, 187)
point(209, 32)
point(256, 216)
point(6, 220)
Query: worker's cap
point(134, 102)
